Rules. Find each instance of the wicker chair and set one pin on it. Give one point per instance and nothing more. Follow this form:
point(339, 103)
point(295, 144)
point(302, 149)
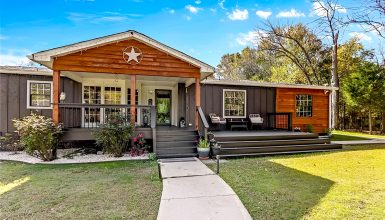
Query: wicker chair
point(217, 120)
point(255, 120)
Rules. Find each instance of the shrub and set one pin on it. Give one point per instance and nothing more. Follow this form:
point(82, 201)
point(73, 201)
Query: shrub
point(10, 142)
point(114, 135)
point(309, 128)
point(39, 135)
point(203, 143)
point(140, 146)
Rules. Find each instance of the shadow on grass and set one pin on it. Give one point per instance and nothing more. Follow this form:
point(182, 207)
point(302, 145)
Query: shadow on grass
point(273, 191)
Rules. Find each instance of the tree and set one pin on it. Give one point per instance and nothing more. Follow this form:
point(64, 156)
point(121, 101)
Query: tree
point(296, 43)
point(371, 15)
point(365, 89)
point(248, 64)
point(330, 23)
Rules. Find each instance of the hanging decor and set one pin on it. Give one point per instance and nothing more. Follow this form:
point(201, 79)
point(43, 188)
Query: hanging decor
point(132, 55)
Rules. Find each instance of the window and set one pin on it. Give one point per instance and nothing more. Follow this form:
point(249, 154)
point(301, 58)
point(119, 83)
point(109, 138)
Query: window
point(39, 94)
point(129, 96)
point(234, 103)
point(112, 95)
point(304, 105)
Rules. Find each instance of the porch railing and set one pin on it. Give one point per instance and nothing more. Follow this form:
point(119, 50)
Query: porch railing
point(279, 121)
point(204, 125)
point(78, 115)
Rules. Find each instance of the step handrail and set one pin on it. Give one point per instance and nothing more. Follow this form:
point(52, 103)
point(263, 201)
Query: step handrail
point(205, 124)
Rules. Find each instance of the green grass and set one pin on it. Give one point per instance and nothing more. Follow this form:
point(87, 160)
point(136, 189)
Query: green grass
point(352, 136)
point(346, 184)
point(110, 190)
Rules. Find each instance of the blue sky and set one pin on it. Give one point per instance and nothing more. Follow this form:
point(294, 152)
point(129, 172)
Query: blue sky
point(201, 28)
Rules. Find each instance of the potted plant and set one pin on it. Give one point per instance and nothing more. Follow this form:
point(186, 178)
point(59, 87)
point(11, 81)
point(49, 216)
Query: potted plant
point(203, 148)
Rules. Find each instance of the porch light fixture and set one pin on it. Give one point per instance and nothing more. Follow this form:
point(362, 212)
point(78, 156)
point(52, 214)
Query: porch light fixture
point(62, 96)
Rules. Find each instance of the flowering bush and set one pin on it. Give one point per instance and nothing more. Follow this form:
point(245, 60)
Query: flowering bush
point(114, 135)
point(39, 135)
point(140, 146)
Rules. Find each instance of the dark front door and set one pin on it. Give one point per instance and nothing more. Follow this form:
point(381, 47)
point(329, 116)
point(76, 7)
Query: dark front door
point(163, 106)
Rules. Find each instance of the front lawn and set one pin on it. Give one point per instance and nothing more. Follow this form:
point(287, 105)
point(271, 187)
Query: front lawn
point(352, 136)
point(346, 184)
point(110, 190)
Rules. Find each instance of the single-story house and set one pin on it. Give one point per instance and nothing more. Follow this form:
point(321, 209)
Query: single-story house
point(133, 74)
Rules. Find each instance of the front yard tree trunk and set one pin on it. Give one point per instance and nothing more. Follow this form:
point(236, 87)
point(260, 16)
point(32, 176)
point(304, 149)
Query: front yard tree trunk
point(383, 123)
point(370, 121)
point(335, 83)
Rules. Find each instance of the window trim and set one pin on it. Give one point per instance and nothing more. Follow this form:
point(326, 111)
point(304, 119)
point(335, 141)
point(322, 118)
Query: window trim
point(223, 102)
point(29, 82)
point(311, 111)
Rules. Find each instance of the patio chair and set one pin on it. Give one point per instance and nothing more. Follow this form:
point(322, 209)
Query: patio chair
point(217, 120)
point(255, 120)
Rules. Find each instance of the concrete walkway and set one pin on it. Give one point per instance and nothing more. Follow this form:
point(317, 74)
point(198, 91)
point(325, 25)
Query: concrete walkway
point(193, 191)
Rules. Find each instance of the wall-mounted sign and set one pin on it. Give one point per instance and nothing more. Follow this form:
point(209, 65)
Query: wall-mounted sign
point(132, 55)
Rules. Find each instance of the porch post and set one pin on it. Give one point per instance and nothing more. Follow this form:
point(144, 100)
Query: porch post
point(56, 96)
point(197, 100)
point(132, 99)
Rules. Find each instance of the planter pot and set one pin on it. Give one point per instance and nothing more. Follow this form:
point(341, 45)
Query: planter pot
point(203, 152)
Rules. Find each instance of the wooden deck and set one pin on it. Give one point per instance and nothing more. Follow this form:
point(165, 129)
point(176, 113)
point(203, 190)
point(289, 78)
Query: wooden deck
point(255, 143)
point(262, 134)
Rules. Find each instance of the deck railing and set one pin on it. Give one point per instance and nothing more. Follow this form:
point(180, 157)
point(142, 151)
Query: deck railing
point(279, 121)
point(78, 115)
point(204, 125)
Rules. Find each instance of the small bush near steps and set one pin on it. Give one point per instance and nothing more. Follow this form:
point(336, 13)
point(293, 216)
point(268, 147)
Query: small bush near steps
point(39, 135)
point(114, 135)
point(140, 146)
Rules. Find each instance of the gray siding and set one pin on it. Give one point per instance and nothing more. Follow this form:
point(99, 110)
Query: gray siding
point(13, 97)
point(260, 100)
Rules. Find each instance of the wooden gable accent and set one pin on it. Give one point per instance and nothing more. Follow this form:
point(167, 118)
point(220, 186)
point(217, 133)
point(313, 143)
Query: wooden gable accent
point(109, 59)
point(285, 102)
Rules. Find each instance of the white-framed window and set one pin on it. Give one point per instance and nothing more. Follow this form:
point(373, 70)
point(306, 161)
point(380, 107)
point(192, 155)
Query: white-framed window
point(304, 105)
point(39, 94)
point(234, 103)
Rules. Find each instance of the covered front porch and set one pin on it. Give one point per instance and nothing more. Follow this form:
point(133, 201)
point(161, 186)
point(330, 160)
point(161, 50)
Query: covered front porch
point(152, 101)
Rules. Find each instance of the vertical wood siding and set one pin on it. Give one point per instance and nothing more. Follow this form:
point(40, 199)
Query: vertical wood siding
point(13, 97)
point(320, 117)
point(259, 100)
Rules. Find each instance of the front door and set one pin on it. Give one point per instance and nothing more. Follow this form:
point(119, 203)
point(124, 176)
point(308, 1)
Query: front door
point(163, 106)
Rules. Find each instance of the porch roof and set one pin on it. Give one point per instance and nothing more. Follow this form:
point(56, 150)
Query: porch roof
point(265, 84)
point(46, 57)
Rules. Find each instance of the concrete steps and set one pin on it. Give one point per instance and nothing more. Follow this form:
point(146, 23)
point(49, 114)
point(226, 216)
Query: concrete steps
point(176, 143)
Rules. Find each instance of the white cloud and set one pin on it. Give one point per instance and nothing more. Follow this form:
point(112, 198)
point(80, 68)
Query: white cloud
point(113, 18)
point(221, 4)
point(238, 14)
point(249, 38)
point(192, 9)
point(361, 36)
point(198, 2)
point(290, 14)
point(263, 14)
point(171, 11)
point(319, 8)
point(13, 60)
point(101, 17)
point(188, 18)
